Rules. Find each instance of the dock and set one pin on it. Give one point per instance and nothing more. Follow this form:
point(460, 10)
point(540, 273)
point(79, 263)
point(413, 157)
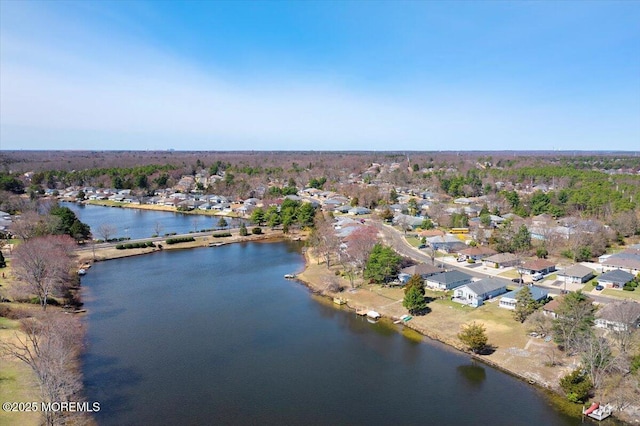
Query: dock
point(597, 411)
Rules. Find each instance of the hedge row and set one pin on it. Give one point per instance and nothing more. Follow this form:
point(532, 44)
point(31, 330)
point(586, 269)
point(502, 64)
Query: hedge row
point(142, 244)
point(180, 240)
point(222, 235)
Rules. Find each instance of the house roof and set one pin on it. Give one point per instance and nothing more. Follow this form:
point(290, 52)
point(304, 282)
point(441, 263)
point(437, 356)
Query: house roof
point(501, 258)
point(624, 311)
point(431, 233)
point(478, 251)
point(616, 276)
point(449, 277)
point(487, 285)
point(552, 305)
point(421, 269)
point(576, 270)
point(538, 264)
point(536, 292)
point(629, 258)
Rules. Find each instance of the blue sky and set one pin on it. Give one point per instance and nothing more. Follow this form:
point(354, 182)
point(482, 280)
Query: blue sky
point(330, 75)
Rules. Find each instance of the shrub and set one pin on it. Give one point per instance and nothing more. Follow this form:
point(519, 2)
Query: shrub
point(180, 240)
point(222, 235)
point(128, 246)
point(576, 386)
point(150, 244)
point(256, 231)
point(120, 247)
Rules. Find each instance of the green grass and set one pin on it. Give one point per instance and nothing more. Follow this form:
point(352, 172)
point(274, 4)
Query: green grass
point(510, 274)
point(590, 285)
point(621, 294)
point(7, 323)
point(414, 241)
point(551, 277)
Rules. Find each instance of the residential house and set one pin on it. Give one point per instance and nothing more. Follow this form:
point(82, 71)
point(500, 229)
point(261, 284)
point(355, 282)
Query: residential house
point(423, 269)
point(359, 211)
point(447, 243)
point(476, 253)
point(500, 260)
point(618, 316)
point(509, 300)
point(537, 266)
point(475, 293)
point(615, 279)
point(551, 307)
point(576, 274)
point(627, 260)
point(448, 280)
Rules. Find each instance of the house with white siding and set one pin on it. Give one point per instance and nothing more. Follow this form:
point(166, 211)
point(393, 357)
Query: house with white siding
point(447, 280)
point(510, 299)
point(475, 293)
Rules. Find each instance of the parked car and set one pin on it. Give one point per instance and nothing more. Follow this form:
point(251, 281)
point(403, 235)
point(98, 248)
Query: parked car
point(517, 280)
point(599, 287)
point(461, 258)
point(422, 246)
point(537, 276)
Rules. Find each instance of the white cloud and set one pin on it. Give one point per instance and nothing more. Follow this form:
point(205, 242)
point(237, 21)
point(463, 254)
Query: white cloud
point(131, 96)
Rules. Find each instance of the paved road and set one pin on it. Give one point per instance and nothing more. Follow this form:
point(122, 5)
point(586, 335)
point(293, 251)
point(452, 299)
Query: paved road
point(396, 240)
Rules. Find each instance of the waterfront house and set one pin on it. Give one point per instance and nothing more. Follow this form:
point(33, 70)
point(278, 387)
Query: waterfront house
point(509, 300)
point(576, 274)
point(550, 308)
point(475, 293)
point(619, 316)
point(615, 279)
point(423, 269)
point(447, 280)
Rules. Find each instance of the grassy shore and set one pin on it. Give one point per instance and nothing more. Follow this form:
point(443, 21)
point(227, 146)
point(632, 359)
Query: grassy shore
point(512, 349)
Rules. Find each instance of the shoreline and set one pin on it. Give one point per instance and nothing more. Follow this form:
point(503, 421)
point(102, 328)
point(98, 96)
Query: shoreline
point(312, 277)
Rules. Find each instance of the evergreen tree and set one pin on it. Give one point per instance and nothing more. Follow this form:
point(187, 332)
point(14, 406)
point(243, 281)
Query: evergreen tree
point(382, 264)
point(243, 230)
point(473, 336)
point(3, 263)
point(414, 299)
point(257, 216)
point(525, 305)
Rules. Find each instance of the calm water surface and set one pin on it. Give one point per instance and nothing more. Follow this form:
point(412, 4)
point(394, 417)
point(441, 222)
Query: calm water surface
point(218, 336)
point(136, 223)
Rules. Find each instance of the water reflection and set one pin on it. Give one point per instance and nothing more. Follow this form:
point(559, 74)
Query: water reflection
point(473, 373)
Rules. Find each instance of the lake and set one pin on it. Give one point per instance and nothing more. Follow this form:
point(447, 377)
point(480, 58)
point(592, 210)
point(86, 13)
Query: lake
point(218, 336)
point(137, 223)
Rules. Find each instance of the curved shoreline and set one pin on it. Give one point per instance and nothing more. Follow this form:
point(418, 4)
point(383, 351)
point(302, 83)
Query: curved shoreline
point(315, 285)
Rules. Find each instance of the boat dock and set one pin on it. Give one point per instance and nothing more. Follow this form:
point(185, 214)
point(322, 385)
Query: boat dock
point(597, 411)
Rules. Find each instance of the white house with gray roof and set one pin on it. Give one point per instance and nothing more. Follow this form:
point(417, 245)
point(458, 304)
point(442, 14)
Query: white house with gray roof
point(475, 293)
point(447, 280)
point(576, 274)
point(510, 300)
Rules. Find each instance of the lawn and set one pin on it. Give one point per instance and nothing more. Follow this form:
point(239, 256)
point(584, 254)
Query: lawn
point(590, 285)
point(635, 295)
point(414, 241)
point(512, 273)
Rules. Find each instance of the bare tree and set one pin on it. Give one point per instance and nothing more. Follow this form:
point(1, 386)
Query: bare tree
point(195, 221)
point(597, 358)
point(106, 231)
point(158, 228)
point(31, 225)
point(359, 245)
point(624, 313)
point(50, 344)
point(43, 265)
